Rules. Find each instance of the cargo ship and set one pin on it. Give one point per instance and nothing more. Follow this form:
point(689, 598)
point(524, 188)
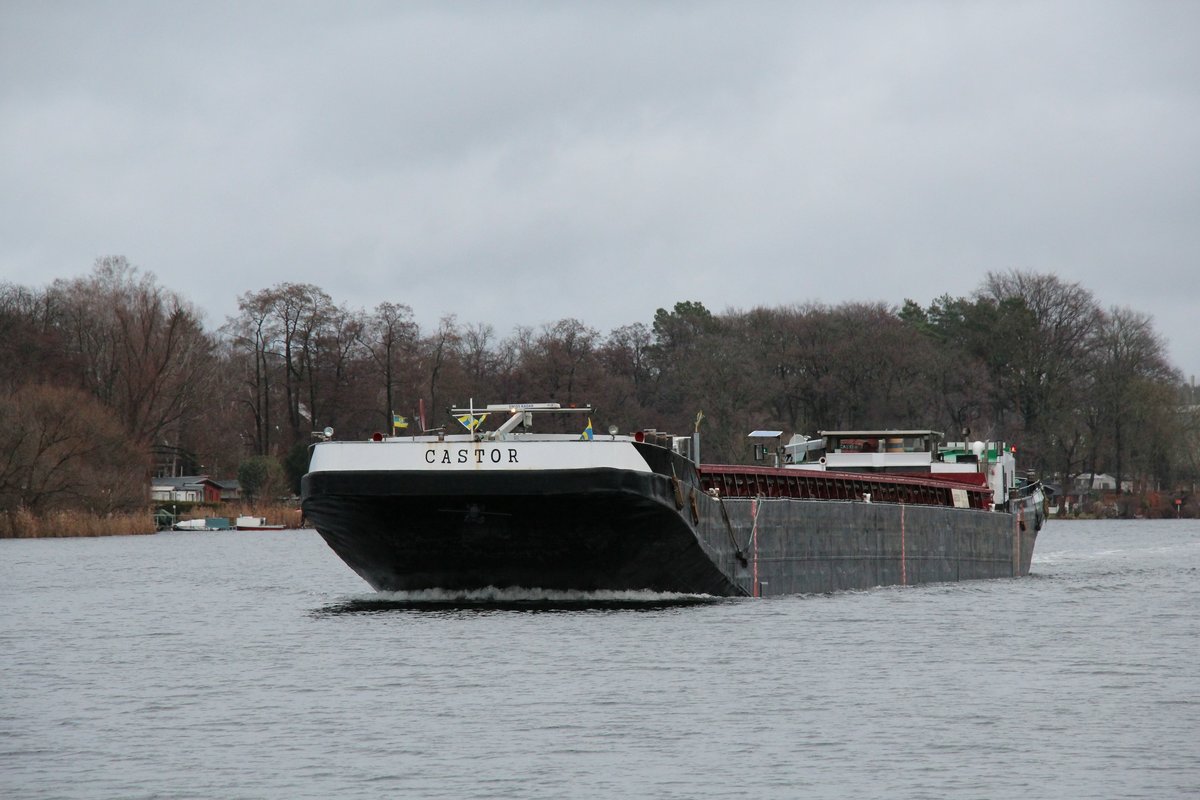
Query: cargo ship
point(516, 507)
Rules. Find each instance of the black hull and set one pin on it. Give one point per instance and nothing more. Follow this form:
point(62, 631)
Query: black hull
point(609, 529)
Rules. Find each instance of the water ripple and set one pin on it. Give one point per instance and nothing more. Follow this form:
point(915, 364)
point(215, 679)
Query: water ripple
point(258, 667)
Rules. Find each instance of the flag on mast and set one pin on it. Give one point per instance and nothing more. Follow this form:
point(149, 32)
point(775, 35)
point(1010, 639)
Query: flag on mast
point(470, 421)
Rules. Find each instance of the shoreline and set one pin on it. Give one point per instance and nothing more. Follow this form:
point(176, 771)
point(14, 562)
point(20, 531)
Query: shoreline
point(24, 524)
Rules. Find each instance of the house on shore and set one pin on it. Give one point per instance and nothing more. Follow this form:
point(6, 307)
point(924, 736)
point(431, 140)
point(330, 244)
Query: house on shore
point(193, 489)
point(1101, 481)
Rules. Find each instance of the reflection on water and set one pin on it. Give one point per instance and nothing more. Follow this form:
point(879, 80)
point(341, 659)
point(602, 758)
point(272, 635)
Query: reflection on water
point(515, 599)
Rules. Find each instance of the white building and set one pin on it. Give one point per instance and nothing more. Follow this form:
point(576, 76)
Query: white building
point(1101, 481)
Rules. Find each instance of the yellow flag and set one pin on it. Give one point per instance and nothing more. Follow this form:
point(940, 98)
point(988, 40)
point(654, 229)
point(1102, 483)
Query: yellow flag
point(471, 422)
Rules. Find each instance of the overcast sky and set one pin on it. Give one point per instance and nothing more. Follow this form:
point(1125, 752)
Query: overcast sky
point(516, 163)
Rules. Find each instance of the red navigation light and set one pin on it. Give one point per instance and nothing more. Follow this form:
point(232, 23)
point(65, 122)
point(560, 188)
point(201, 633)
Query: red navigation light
point(639, 437)
point(376, 437)
point(1013, 449)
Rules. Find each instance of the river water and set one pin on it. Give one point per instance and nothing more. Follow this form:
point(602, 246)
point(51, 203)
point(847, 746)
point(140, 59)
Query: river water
point(256, 665)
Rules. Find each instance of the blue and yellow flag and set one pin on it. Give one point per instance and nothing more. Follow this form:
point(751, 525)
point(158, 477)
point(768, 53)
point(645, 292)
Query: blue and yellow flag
point(399, 422)
point(587, 432)
point(471, 422)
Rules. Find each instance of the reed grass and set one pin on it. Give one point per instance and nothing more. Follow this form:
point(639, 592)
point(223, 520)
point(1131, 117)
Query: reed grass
point(24, 524)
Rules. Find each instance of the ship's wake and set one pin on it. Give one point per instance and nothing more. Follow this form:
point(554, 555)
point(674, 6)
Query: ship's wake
point(492, 598)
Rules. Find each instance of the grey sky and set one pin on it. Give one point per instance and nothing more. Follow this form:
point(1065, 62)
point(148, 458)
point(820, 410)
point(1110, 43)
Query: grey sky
point(516, 163)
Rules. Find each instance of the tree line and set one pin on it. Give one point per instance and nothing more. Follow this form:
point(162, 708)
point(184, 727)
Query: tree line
point(107, 377)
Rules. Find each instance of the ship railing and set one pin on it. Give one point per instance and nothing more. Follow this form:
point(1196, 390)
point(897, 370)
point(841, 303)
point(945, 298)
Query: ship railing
point(520, 415)
point(742, 481)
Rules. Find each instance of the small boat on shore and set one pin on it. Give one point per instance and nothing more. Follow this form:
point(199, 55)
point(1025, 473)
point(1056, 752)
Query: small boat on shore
point(515, 508)
point(256, 524)
point(203, 524)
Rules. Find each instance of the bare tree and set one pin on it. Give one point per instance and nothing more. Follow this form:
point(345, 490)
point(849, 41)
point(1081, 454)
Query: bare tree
point(561, 361)
point(390, 337)
point(60, 448)
point(32, 347)
point(1130, 367)
point(253, 345)
point(1048, 336)
point(299, 312)
point(440, 353)
point(142, 350)
point(627, 383)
